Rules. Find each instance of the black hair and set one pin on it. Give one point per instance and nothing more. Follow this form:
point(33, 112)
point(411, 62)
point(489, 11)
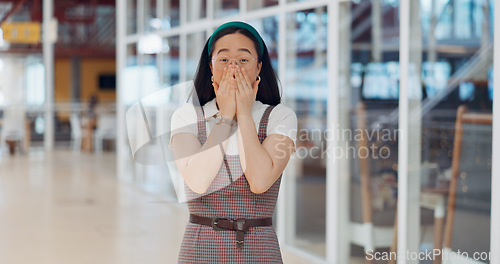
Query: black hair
point(268, 92)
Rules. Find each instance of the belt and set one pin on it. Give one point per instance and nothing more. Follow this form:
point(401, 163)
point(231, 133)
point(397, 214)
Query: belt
point(240, 225)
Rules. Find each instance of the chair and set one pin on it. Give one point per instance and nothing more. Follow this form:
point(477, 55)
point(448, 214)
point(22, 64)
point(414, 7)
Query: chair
point(369, 236)
point(462, 118)
point(106, 129)
point(14, 129)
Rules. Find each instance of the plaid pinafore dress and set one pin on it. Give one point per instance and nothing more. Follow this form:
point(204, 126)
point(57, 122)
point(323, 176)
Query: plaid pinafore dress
point(202, 244)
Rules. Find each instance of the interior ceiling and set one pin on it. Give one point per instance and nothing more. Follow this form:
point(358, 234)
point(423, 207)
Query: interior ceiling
point(85, 27)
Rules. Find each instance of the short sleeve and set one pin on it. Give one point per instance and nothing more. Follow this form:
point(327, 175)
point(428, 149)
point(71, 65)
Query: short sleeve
point(283, 121)
point(183, 121)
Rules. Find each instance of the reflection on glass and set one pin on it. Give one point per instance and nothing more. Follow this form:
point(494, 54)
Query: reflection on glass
point(151, 44)
point(492, 18)
point(170, 63)
point(131, 17)
point(455, 136)
point(194, 47)
point(171, 14)
point(381, 81)
point(461, 19)
point(305, 90)
point(35, 85)
point(196, 9)
point(490, 83)
point(141, 77)
point(225, 8)
point(257, 4)
point(268, 30)
point(368, 131)
point(471, 218)
point(466, 91)
point(149, 59)
point(129, 93)
point(435, 76)
point(151, 22)
point(131, 58)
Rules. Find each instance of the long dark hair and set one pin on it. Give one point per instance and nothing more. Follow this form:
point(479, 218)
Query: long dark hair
point(268, 92)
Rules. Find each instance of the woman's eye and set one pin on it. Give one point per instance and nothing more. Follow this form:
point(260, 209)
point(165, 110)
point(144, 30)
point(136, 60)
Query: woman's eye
point(244, 60)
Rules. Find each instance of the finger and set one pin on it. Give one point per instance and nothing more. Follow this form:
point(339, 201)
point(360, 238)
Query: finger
point(233, 79)
point(245, 75)
point(238, 95)
point(234, 86)
point(223, 83)
point(246, 85)
point(254, 86)
point(234, 89)
point(229, 72)
point(239, 82)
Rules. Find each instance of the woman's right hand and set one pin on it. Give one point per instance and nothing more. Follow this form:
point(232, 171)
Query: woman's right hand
point(225, 92)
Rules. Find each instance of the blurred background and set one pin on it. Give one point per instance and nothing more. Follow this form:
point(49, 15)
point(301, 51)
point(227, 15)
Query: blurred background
point(394, 101)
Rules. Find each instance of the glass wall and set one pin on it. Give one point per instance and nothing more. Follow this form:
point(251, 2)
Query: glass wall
point(306, 92)
point(196, 9)
point(170, 72)
point(448, 132)
point(453, 109)
point(171, 14)
point(131, 17)
point(225, 8)
point(194, 48)
point(394, 117)
point(258, 4)
point(367, 132)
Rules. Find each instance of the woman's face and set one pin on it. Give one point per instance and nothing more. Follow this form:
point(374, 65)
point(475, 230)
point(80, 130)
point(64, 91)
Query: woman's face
point(233, 49)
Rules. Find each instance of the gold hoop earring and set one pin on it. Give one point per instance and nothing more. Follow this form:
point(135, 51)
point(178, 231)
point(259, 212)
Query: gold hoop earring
point(212, 78)
point(258, 78)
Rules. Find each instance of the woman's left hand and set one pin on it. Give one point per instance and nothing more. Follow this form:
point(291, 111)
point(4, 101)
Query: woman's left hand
point(245, 92)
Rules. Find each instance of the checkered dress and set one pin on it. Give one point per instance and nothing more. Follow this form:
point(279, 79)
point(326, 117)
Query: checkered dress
point(202, 244)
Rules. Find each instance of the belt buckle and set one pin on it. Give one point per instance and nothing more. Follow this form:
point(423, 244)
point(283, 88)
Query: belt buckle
point(240, 224)
point(215, 221)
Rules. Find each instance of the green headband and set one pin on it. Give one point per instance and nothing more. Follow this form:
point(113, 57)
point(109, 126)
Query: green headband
point(237, 24)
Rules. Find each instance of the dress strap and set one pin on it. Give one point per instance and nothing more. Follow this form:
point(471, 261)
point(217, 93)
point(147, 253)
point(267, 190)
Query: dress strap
point(202, 124)
point(263, 123)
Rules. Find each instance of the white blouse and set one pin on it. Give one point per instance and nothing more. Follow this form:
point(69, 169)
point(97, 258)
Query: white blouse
point(282, 121)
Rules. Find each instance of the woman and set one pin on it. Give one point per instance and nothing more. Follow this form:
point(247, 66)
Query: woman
point(232, 179)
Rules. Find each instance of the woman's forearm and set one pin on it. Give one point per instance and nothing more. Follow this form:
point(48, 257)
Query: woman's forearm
point(256, 162)
point(202, 167)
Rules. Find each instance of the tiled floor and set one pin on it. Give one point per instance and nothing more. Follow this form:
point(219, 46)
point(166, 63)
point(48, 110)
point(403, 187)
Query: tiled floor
point(69, 208)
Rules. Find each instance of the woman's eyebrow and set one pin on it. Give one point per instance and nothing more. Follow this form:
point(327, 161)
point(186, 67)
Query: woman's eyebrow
point(222, 50)
point(227, 50)
point(247, 50)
